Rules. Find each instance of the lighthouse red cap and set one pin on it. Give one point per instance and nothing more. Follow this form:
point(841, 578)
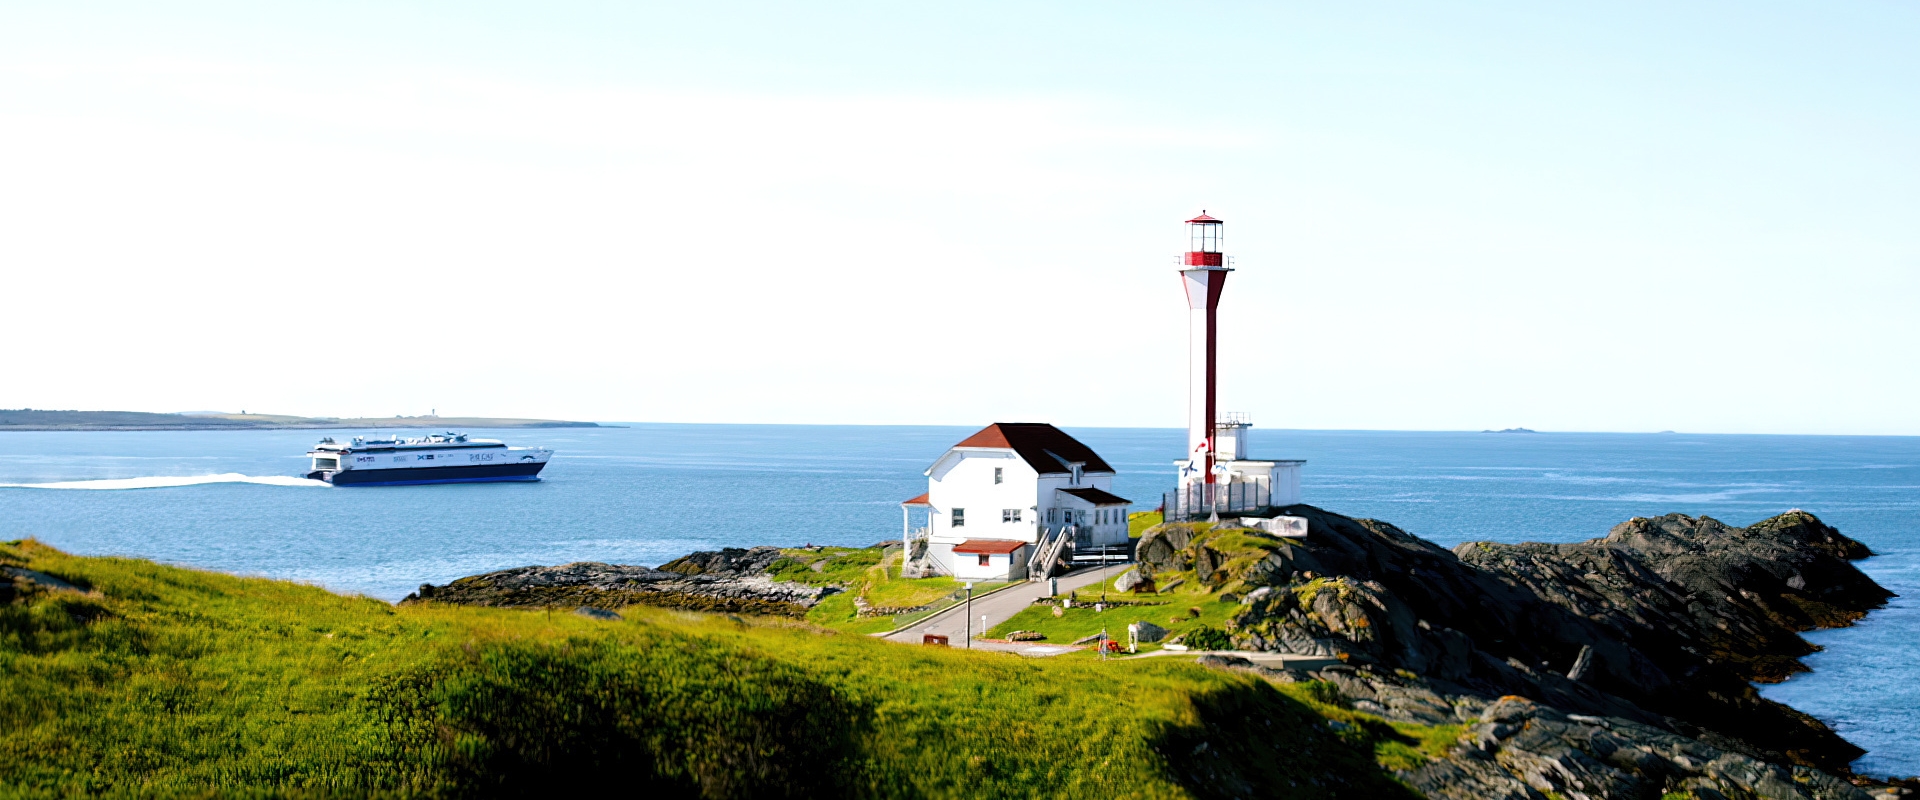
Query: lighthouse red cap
point(1203, 218)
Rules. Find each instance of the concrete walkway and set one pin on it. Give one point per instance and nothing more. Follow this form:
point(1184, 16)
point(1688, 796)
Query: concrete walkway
point(1000, 607)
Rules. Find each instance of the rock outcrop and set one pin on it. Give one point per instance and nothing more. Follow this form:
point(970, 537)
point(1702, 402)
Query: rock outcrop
point(730, 580)
point(1654, 631)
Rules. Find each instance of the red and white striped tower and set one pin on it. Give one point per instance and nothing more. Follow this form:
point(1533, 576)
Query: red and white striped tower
point(1204, 273)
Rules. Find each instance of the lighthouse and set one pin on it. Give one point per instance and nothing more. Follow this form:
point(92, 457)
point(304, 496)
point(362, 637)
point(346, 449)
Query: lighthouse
point(1204, 273)
point(1219, 475)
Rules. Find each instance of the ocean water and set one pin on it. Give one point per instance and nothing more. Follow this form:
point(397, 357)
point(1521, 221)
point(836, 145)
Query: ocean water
point(232, 501)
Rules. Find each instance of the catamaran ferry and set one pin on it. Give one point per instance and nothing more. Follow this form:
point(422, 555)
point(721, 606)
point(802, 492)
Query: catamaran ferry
point(436, 458)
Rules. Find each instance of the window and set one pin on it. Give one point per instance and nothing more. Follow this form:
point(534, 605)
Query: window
point(1076, 476)
point(998, 474)
point(1099, 516)
point(1053, 515)
point(959, 518)
point(986, 560)
point(1009, 515)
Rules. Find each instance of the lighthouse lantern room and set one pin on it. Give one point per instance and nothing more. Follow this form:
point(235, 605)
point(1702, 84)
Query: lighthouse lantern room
point(1218, 475)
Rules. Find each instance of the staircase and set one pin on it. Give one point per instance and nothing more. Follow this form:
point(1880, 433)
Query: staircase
point(1047, 552)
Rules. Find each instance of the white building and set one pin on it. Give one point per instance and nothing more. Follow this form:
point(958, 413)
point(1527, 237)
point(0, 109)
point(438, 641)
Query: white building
point(1011, 498)
point(1241, 483)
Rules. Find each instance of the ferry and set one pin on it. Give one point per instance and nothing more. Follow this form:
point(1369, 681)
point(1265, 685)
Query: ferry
point(436, 458)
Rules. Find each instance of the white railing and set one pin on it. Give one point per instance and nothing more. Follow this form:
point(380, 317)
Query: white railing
point(1046, 552)
point(1201, 500)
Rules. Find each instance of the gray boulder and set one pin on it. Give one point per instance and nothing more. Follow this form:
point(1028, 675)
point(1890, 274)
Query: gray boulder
point(1150, 632)
point(597, 613)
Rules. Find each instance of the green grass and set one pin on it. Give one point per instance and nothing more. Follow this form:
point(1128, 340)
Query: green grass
point(1073, 623)
point(838, 612)
point(166, 681)
point(845, 566)
point(1139, 521)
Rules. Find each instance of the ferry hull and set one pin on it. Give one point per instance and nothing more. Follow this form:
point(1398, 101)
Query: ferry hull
point(416, 476)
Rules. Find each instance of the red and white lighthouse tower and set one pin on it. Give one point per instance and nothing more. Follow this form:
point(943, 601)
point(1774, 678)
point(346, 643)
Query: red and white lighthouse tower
point(1204, 272)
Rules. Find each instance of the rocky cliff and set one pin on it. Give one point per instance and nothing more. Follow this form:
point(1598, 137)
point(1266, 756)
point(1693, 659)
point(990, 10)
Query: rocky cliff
point(1615, 667)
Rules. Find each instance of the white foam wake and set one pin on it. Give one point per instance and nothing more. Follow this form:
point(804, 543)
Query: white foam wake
point(169, 482)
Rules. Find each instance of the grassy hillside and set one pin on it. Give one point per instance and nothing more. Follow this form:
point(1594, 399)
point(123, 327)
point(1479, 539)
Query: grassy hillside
point(160, 680)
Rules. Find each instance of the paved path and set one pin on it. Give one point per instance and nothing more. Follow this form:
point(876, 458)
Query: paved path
point(999, 607)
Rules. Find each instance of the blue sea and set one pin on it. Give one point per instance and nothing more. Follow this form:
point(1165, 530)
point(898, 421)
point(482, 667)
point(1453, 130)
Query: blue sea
point(646, 493)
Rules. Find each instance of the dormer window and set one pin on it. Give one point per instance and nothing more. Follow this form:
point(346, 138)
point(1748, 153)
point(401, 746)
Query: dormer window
point(1076, 474)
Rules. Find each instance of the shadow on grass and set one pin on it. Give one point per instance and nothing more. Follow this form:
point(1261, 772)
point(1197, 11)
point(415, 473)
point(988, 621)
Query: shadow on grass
point(1254, 741)
point(523, 717)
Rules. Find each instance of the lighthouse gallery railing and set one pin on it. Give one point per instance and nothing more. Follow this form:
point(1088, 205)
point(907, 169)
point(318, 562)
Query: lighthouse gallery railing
point(1202, 500)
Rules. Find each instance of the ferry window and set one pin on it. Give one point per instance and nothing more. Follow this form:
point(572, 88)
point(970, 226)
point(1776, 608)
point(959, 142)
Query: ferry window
point(959, 518)
point(998, 473)
point(986, 560)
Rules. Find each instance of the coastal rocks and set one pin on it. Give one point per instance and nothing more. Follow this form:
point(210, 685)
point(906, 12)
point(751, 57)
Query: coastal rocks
point(1512, 747)
point(727, 583)
point(1517, 748)
point(726, 561)
point(1662, 623)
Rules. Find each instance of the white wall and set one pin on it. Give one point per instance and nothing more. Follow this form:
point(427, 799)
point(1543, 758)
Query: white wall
point(1112, 530)
point(964, 479)
point(1049, 484)
point(1000, 567)
point(1286, 484)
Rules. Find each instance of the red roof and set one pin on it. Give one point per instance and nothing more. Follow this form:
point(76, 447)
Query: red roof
point(990, 546)
point(1204, 219)
point(1098, 497)
point(1045, 448)
point(918, 500)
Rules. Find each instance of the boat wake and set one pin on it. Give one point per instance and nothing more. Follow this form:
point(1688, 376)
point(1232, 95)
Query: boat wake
point(169, 482)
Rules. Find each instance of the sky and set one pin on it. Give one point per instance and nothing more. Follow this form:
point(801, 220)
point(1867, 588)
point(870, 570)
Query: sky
point(1631, 217)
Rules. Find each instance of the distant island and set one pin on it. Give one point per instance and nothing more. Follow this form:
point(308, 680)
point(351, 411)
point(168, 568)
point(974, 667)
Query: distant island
point(1512, 430)
point(32, 419)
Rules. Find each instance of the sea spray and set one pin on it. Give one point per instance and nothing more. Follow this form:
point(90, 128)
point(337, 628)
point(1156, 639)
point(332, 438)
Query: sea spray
point(168, 482)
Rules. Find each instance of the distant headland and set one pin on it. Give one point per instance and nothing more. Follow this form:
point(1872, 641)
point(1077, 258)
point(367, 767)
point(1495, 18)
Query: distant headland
point(1511, 430)
point(33, 419)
